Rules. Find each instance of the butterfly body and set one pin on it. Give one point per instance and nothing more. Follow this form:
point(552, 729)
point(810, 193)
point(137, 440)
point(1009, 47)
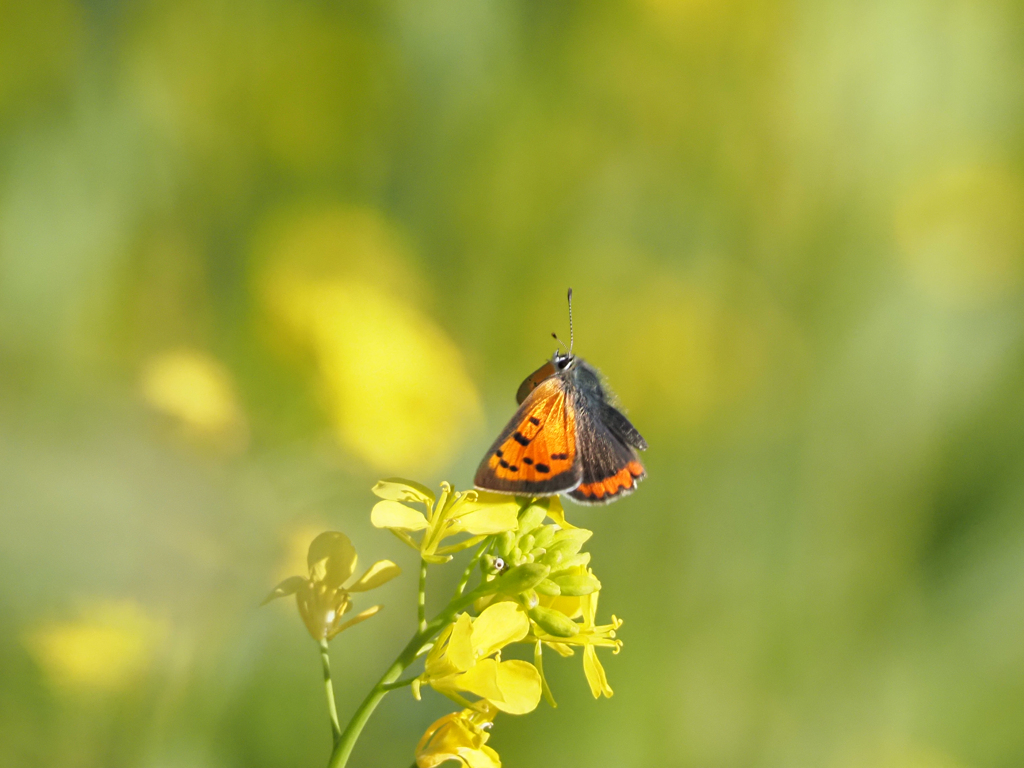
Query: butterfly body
point(567, 437)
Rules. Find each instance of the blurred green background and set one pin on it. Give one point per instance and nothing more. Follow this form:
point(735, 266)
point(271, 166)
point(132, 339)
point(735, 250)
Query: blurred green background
point(256, 255)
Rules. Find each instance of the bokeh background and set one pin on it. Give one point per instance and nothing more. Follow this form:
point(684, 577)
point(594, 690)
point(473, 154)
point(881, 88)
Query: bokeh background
point(256, 255)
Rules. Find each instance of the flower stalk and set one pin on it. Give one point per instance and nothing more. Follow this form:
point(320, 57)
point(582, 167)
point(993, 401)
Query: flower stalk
point(332, 705)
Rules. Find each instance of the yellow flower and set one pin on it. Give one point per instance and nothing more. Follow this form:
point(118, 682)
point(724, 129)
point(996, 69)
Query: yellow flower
point(321, 597)
point(590, 635)
point(472, 512)
point(461, 661)
point(460, 736)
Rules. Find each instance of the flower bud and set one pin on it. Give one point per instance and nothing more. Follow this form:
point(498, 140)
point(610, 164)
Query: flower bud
point(530, 518)
point(548, 587)
point(503, 543)
point(570, 541)
point(543, 536)
point(575, 584)
point(521, 578)
point(554, 622)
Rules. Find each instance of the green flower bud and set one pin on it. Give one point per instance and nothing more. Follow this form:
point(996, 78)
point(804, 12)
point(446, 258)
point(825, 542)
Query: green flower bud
point(571, 540)
point(554, 622)
point(530, 518)
point(543, 536)
point(575, 584)
point(548, 587)
point(583, 558)
point(526, 543)
point(521, 578)
point(529, 599)
point(503, 543)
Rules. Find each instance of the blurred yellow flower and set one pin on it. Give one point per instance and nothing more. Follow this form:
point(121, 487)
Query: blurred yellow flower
point(474, 512)
point(461, 661)
point(321, 597)
point(104, 650)
point(590, 635)
point(192, 387)
point(394, 384)
point(460, 736)
point(962, 232)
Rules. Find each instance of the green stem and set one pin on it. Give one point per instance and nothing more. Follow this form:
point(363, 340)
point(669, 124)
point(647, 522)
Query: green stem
point(472, 564)
point(343, 746)
point(332, 707)
point(421, 605)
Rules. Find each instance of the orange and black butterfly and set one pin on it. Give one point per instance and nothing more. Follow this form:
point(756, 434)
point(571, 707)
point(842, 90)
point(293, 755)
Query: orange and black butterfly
point(566, 437)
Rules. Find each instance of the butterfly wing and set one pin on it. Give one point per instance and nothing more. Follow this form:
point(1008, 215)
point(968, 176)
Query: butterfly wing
point(534, 380)
point(621, 427)
point(537, 453)
point(610, 466)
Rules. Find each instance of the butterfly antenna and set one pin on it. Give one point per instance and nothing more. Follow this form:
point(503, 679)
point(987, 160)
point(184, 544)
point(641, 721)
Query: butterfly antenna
point(570, 322)
point(555, 337)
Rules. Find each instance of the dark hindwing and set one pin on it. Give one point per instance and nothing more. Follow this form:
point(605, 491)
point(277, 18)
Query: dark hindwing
point(621, 427)
point(611, 468)
point(537, 453)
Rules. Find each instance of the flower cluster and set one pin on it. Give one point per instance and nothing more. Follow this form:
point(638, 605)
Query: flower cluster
point(536, 588)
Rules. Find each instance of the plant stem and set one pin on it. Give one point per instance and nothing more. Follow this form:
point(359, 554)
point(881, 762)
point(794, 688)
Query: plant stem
point(421, 605)
point(471, 565)
point(343, 745)
point(332, 706)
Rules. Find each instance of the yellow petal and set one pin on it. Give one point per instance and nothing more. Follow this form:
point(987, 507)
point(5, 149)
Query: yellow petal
point(331, 559)
point(456, 737)
point(485, 757)
point(392, 514)
point(499, 624)
point(361, 616)
point(452, 651)
point(572, 607)
point(538, 662)
point(595, 673)
point(379, 573)
point(520, 686)
point(488, 520)
point(398, 489)
point(287, 587)
point(556, 513)
point(481, 679)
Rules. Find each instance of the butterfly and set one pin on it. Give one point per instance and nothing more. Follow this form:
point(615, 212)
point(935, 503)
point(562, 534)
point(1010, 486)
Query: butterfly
point(566, 437)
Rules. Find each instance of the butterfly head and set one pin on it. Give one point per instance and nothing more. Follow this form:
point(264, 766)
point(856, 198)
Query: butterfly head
point(563, 361)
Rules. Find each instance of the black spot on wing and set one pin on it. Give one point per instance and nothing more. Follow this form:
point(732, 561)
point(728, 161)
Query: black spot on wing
point(519, 438)
point(543, 468)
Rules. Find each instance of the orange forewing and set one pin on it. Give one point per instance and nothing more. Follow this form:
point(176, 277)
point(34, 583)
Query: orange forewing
point(543, 444)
